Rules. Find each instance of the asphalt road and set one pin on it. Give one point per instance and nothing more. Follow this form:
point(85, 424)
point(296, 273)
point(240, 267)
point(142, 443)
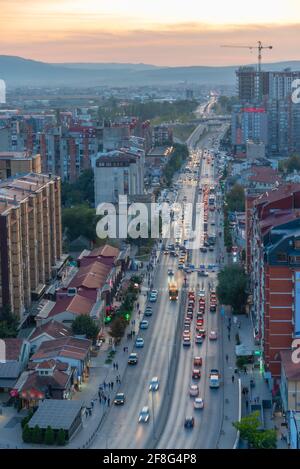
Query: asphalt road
point(163, 356)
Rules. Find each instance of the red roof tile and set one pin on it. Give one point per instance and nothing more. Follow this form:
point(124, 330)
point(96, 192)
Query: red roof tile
point(53, 329)
point(13, 348)
point(67, 347)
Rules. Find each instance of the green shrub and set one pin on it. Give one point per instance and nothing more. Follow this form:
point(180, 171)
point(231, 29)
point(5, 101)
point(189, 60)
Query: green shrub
point(49, 436)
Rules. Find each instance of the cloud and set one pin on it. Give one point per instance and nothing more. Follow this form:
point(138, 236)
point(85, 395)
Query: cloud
point(181, 44)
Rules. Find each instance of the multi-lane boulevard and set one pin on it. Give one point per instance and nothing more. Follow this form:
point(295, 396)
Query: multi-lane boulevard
point(164, 356)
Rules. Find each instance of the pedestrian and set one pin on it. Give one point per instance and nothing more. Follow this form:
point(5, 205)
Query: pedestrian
point(104, 384)
point(99, 399)
point(117, 366)
point(108, 402)
point(112, 385)
point(124, 348)
point(247, 404)
point(245, 370)
point(114, 365)
point(226, 358)
point(138, 305)
point(229, 337)
point(232, 378)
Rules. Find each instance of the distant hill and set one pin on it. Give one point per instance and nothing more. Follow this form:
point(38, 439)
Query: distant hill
point(18, 71)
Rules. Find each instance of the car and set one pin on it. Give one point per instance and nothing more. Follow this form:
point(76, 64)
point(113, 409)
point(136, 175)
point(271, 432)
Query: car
point(194, 390)
point(199, 322)
point(144, 414)
point(203, 249)
point(197, 361)
point(189, 422)
point(213, 335)
point(199, 338)
point(166, 253)
point(201, 293)
point(202, 273)
point(170, 272)
point(144, 324)
point(202, 332)
point(189, 314)
point(186, 341)
point(187, 321)
point(196, 374)
point(148, 311)
point(187, 329)
point(180, 266)
point(119, 399)
point(133, 359)
point(153, 296)
point(139, 342)
point(154, 384)
point(211, 249)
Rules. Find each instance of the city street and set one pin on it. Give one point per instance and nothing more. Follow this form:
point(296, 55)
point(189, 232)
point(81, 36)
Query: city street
point(163, 356)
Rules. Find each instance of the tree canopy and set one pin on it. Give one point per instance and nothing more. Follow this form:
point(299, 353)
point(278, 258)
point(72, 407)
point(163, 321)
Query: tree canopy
point(232, 287)
point(84, 324)
point(290, 164)
point(79, 192)
point(236, 199)
point(250, 431)
point(80, 221)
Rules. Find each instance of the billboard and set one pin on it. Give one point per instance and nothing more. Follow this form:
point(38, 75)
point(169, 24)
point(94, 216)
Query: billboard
point(297, 305)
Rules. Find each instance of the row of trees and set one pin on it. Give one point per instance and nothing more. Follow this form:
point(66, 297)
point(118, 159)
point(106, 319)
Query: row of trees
point(232, 287)
point(235, 199)
point(79, 192)
point(176, 160)
point(227, 233)
point(39, 436)
point(257, 438)
point(289, 165)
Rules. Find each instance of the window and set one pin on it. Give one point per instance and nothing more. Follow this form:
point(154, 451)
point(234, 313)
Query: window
point(281, 257)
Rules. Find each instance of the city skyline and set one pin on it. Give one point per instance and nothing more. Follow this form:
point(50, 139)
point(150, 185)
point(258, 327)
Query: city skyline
point(134, 31)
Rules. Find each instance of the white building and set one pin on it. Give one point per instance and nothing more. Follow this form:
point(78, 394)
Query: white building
point(117, 173)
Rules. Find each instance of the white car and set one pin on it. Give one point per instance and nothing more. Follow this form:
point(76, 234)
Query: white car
point(154, 384)
point(198, 403)
point(194, 390)
point(139, 342)
point(213, 335)
point(144, 414)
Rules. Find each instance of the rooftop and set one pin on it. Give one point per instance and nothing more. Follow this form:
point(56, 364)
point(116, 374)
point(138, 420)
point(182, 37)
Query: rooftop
point(69, 347)
point(56, 414)
point(54, 329)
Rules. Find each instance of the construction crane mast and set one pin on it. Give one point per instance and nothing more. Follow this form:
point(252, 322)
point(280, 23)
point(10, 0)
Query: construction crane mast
point(259, 49)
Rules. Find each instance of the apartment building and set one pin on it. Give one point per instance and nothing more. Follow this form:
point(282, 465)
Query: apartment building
point(17, 163)
point(117, 173)
point(274, 265)
point(30, 238)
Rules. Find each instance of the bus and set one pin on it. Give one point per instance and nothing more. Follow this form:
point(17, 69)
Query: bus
point(173, 291)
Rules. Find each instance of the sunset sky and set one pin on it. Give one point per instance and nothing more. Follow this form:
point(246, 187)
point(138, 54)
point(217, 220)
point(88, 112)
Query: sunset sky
point(160, 32)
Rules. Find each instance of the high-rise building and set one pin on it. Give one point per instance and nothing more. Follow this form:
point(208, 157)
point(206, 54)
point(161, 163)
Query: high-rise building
point(252, 85)
point(17, 163)
point(30, 238)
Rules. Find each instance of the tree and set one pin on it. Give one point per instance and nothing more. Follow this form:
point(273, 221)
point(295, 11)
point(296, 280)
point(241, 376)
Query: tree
point(80, 221)
point(85, 325)
point(8, 323)
point(49, 436)
point(117, 328)
point(37, 435)
point(232, 285)
point(27, 434)
point(61, 437)
point(290, 164)
point(249, 428)
point(236, 199)
point(80, 191)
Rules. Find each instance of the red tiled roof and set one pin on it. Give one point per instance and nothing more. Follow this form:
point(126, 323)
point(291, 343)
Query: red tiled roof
point(76, 304)
point(53, 329)
point(67, 347)
point(57, 380)
point(264, 174)
point(13, 348)
point(276, 194)
point(105, 251)
point(93, 275)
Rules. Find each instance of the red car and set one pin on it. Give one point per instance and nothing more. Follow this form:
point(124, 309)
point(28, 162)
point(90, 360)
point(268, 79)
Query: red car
point(199, 322)
point(197, 361)
point(196, 374)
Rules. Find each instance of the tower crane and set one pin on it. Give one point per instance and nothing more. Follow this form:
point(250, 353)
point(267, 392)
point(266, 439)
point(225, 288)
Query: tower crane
point(259, 49)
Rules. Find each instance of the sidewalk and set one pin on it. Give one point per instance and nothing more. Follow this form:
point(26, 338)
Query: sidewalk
point(101, 372)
